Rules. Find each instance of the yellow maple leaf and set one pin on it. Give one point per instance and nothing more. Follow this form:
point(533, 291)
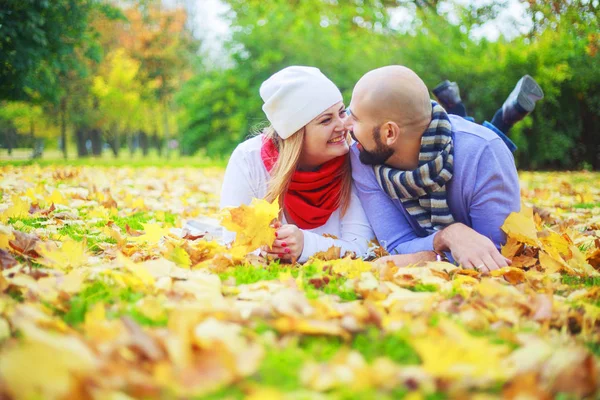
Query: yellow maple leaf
point(45, 365)
point(448, 351)
point(152, 234)
point(56, 197)
point(18, 209)
point(180, 257)
point(521, 226)
point(556, 245)
point(252, 223)
point(5, 236)
point(71, 254)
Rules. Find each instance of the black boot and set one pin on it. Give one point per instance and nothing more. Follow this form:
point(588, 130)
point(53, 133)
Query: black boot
point(521, 100)
point(448, 96)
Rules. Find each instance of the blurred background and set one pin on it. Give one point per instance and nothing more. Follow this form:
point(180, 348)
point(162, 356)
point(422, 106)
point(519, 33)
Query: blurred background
point(177, 81)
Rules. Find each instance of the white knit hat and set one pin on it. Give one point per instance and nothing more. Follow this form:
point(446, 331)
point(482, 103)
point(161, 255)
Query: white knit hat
point(295, 96)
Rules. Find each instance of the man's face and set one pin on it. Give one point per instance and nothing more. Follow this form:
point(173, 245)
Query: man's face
point(367, 134)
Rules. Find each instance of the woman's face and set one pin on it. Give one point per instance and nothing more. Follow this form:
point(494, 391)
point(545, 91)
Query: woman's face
point(325, 138)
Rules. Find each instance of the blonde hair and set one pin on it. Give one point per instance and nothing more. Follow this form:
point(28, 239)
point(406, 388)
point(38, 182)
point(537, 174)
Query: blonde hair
point(287, 163)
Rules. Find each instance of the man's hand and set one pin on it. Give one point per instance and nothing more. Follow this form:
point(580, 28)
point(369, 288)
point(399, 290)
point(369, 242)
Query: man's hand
point(469, 248)
point(404, 260)
point(289, 243)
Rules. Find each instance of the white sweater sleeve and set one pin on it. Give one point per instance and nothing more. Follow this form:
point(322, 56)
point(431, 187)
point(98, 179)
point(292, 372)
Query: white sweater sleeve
point(356, 233)
point(239, 186)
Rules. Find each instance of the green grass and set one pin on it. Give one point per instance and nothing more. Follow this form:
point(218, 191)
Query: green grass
point(580, 281)
point(586, 206)
point(248, 274)
point(101, 292)
point(423, 287)
point(125, 159)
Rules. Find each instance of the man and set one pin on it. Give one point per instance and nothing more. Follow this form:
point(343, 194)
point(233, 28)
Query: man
point(429, 182)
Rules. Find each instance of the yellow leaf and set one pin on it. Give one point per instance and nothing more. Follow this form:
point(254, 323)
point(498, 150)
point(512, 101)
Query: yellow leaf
point(511, 248)
point(144, 277)
point(5, 236)
point(152, 234)
point(521, 226)
point(580, 264)
point(45, 365)
point(555, 244)
point(56, 197)
point(18, 209)
point(450, 352)
point(252, 223)
point(180, 257)
point(152, 308)
point(71, 254)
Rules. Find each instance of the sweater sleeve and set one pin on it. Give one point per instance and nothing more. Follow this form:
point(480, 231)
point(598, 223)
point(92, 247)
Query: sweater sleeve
point(238, 186)
point(391, 226)
point(496, 191)
point(356, 233)
point(393, 230)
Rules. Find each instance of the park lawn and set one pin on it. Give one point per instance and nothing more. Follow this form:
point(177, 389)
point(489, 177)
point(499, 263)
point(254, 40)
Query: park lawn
point(102, 294)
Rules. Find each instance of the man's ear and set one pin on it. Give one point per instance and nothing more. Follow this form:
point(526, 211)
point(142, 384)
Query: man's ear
point(391, 132)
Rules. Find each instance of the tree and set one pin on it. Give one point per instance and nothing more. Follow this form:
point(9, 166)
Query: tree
point(37, 42)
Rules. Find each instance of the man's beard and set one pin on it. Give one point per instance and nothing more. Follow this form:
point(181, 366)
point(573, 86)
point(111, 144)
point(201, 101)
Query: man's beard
point(378, 156)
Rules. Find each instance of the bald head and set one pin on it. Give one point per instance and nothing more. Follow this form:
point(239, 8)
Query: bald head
point(394, 93)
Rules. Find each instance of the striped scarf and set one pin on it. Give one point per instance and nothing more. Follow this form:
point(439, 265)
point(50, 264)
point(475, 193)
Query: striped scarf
point(423, 191)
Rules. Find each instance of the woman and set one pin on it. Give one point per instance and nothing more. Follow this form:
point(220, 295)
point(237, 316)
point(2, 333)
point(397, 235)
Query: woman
point(302, 159)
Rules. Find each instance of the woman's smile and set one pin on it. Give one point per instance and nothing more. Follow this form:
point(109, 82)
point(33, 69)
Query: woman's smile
point(338, 139)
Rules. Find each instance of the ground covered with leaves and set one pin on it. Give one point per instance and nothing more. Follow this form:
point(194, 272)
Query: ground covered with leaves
point(104, 296)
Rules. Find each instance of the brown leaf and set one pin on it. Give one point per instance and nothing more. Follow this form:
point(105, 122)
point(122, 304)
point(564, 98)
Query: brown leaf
point(48, 210)
point(24, 243)
point(523, 262)
point(513, 275)
point(6, 260)
point(189, 236)
point(512, 248)
point(594, 259)
point(333, 253)
point(133, 232)
point(143, 342)
point(523, 387)
point(34, 208)
point(542, 307)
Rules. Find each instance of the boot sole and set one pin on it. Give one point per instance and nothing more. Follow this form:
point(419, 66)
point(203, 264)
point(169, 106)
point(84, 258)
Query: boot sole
point(529, 93)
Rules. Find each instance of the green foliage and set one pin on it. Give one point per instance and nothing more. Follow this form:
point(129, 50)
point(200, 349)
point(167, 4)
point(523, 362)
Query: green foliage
point(347, 39)
point(38, 41)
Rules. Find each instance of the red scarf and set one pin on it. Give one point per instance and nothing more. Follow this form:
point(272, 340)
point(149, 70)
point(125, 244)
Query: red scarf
point(312, 196)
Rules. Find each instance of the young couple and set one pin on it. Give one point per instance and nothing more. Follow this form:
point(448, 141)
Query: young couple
point(425, 183)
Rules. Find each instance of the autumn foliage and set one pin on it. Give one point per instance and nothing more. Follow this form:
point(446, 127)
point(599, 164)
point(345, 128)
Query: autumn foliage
point(104, 295)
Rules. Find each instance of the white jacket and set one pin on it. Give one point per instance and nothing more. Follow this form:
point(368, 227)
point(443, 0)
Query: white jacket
point(246, 177)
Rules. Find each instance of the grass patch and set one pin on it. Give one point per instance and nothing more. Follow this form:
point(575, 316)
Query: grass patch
point(594, 347)
point(281, 368)
point(423, 287)
point(33, 223)
point(101, 292)
point(580, 281)
point(247, 274)
point(586, 206)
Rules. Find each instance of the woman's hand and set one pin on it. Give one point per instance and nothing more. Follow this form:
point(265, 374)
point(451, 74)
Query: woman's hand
point(288, 244)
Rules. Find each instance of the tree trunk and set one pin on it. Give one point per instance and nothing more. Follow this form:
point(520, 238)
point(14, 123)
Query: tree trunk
point(9, 140)
point(157, 143)
point(81, 135)
point(130, 143)
point(96, 138)
point(144, 143)
point(63, 125)
point(166, 126)
point(115, 145)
